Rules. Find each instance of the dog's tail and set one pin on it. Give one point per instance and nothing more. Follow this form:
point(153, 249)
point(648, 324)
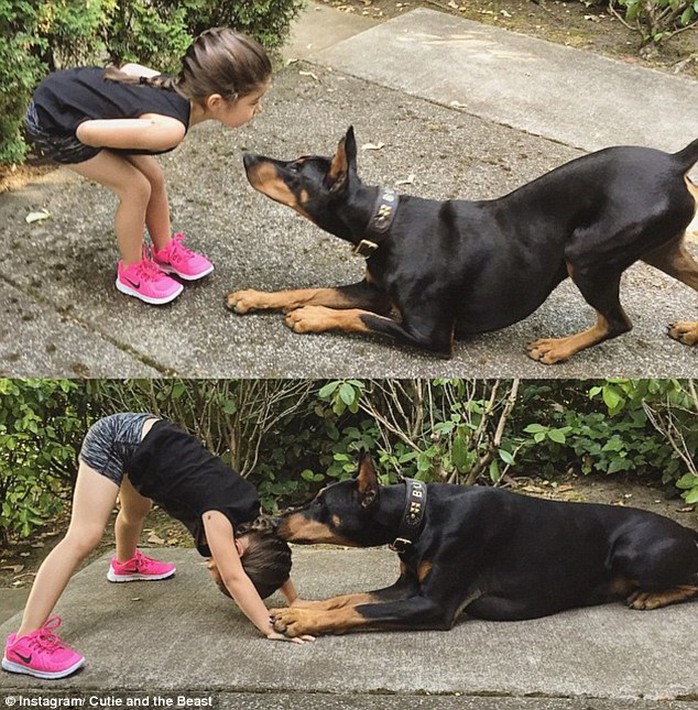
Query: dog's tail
point(687, 157)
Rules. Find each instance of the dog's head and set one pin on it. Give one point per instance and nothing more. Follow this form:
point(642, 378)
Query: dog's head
point(340, 514)
point(312, 185)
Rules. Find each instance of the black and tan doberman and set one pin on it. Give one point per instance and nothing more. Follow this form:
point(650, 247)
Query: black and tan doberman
point(443, 270)
point(490, 553)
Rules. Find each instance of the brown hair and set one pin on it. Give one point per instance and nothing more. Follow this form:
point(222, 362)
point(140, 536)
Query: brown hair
point(266, 561)
point(219, 61)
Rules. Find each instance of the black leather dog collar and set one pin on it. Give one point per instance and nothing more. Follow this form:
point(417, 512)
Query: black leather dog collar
point(381, 219)
point(413, 516)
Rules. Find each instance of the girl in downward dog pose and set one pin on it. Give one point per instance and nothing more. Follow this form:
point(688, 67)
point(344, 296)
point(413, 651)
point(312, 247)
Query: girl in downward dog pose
point(142, 459)
point(107, 125)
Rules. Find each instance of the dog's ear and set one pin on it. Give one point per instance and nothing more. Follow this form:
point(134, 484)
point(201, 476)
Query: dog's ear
point(343, 162)
point(366, 481)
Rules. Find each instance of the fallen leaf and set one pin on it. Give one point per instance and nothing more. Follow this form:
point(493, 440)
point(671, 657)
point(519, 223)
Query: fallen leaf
point(372, 146)
point(155, 539)
point(457, 104)
point(454, 5)
point(15, 569)
point(686, 509)
point(37, 216)
point(407, 181)
point(504, 13)
point(309, 73)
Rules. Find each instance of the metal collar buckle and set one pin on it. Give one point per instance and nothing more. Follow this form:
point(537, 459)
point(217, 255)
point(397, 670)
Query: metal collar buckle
point(399, 544)
point(364, 248)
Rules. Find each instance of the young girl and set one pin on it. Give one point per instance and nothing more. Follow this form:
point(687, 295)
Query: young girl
point(143, 459)
point(107, 124)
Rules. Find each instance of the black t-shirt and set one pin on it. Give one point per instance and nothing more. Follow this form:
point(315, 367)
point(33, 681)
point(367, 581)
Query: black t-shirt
point(185, 479)
point(66, 98)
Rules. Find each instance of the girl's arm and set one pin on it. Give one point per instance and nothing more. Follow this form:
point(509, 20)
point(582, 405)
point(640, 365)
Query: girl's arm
point(288, 589)
point(149, 132)
point(219, 535)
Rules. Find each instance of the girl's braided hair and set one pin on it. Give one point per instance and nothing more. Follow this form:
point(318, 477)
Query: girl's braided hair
point(219, 61)
point(267, 560)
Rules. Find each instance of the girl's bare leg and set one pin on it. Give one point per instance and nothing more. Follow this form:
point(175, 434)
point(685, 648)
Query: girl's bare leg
point(157, 215)
point(132, 188)
point(93, 501)
point(129, 521)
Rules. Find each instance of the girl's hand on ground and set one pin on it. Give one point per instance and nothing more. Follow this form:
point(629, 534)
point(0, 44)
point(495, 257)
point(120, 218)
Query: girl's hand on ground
point(274, 636)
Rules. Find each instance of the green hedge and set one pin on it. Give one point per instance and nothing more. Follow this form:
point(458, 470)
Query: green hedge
point(39, 37)
point(292, 436)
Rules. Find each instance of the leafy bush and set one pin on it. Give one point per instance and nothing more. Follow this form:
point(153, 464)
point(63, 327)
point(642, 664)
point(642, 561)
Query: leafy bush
point(644, 427)
point(656, 20)
point(37, 38)
point(41, 425)
point(20, 69)
point(292, 436)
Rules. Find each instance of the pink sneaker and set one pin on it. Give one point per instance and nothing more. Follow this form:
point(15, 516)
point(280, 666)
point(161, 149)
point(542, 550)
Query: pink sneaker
point(175, 258)
point(139, 567)
point(41, 654)
point(144, 280)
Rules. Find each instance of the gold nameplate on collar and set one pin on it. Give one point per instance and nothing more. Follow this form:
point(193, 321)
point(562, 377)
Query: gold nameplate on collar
point(364, 248)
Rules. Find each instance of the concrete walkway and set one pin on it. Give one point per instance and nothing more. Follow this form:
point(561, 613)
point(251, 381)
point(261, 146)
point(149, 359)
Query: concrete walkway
point(457, 110)
point(182, 637)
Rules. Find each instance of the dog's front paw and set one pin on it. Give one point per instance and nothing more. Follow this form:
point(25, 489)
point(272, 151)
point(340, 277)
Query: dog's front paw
point(244, 301)
point(291, 621)
point(685, 332)
point(548, 350)
point(310, 319)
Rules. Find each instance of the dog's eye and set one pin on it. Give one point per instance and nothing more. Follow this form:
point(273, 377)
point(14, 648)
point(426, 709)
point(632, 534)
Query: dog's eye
point(294, 167)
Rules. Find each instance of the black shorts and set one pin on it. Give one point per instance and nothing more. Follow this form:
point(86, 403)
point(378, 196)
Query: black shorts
point(111, 442)
point(62, 148)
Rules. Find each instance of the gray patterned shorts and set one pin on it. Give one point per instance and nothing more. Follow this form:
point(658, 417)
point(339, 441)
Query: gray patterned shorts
point(62, 148)
point(111, 442)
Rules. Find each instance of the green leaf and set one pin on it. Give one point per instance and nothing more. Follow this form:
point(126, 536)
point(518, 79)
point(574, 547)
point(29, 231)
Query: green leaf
point(328, 389)
point(506, 456)
point(557, 435)
point(347, 393)
point(459, 454)
point(535, 428)
point(612, 398)
point(688, 480)
point(495, 473)
point(691, 496)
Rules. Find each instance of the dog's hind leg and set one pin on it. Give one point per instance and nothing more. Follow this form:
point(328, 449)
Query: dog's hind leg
point(660, 566)
point(435, 334)
point(676, 261)
point(654, 600)
point(600, 290)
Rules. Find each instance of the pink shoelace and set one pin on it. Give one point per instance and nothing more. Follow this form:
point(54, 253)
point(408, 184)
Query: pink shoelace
point(45, 639)
point(142, 562)
point(148, 270)
point(177, 251)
